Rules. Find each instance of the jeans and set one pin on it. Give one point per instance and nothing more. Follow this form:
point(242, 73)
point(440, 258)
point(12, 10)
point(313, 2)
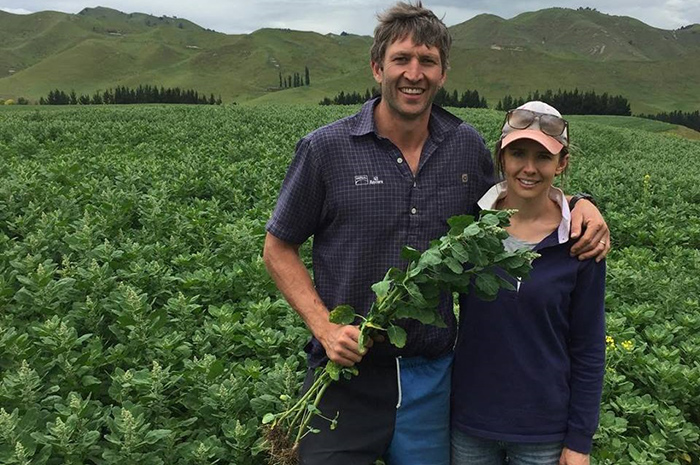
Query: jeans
point(470, 450)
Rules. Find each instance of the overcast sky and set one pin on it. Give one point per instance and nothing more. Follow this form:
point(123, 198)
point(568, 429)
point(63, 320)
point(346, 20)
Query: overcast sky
point(355, 16)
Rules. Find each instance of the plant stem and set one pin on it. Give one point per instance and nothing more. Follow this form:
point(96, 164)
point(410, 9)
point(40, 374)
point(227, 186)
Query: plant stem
point(301, 401)
point(307, 417)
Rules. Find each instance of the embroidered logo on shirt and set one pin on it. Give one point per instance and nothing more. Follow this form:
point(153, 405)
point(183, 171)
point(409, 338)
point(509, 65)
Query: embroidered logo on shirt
point(364, 180)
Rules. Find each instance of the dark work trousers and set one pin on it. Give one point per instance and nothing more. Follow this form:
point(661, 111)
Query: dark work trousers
point(367, 406)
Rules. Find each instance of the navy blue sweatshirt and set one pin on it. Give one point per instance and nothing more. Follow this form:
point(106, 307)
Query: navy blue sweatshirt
point(529, 366)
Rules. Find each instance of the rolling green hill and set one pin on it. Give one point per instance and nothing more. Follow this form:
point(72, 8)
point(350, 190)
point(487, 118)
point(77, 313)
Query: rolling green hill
point(577, 34)
point(657, 70)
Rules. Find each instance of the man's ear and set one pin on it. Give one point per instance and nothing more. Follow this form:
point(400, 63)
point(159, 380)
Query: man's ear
point(443, 78)
point(377, 71)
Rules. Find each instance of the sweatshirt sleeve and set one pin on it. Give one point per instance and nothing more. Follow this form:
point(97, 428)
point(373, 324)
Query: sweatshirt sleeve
point(587, 355)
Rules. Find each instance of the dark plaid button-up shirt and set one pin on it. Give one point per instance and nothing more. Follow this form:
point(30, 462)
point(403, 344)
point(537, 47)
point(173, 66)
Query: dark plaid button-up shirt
point(352, 190)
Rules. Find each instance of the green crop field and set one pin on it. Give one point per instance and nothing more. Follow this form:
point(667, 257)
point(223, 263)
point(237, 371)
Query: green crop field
point(138, 324)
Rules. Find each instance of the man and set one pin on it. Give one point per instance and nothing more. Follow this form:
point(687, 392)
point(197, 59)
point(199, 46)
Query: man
point(363, 187)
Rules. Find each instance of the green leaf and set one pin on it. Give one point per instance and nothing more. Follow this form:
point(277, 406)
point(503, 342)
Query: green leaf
point(156, 435)
point(333, 370)
point(424, 315)
point(430, 257)
point(438, 321)
point(342, 315)
point(472, 230)
point(215, 370)
point(490, 219)
point(476, 255)
point(505, 284)
point(634, 453)
point(431, 293)
point(459, 223)
point(459, 252)
point(313, 409)
point(397, 336)
point(487, 285)
point(454, 265)
point(268, 418)
point(410, 254)
point(381, 289)
point(415, 294)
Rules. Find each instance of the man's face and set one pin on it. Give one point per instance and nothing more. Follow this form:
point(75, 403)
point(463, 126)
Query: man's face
point(410, 76)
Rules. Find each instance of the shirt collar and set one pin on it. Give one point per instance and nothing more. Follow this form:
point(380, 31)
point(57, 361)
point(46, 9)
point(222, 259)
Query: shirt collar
point(498, 191)
point(441, 121)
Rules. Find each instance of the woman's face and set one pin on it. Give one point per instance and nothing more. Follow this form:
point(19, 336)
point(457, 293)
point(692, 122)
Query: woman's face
point(529, 168)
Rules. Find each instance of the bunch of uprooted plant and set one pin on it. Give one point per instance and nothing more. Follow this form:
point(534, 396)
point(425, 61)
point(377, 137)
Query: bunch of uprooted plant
point(469, 258)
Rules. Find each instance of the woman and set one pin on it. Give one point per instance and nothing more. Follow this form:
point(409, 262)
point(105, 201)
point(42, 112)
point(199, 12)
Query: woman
point(528, 369)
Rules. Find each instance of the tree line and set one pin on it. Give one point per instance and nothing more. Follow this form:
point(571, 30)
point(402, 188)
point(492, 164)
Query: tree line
point(690, 119)
point(125, 95)
point(573, 102)
point(350, 98)
point(468, 99)
point(444, 98)
point(295, 80)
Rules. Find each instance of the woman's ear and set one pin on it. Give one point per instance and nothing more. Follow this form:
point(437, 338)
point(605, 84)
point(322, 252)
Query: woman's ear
point(563, 163)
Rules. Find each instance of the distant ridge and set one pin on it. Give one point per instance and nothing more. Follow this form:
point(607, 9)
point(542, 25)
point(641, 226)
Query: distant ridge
point(555, 48)
point(583, 34)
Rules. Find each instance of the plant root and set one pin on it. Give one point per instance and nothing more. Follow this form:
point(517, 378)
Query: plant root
point(281, 449)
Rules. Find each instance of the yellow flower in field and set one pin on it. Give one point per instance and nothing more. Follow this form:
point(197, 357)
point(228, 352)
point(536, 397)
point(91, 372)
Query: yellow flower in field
point(610, 342)
point(627, 345)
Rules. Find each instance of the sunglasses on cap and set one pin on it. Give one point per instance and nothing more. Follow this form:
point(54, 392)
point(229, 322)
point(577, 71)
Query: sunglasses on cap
point(549, 124)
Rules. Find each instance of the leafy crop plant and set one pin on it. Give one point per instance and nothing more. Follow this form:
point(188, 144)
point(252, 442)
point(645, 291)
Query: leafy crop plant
point(470, 256)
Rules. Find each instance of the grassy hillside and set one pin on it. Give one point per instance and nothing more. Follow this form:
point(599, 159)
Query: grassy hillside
point(638, 124)
point(579, 34)
point(656, 70)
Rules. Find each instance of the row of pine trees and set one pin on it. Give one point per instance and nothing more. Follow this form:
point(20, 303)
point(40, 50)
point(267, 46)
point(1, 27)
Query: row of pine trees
point(444, 98)
point(690, 119)
point(125, 95)
point(567, 102)
point(573, 102)
point(295, 80)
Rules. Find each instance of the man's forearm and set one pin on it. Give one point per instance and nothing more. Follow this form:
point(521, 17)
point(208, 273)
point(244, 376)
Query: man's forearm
point(294, 282)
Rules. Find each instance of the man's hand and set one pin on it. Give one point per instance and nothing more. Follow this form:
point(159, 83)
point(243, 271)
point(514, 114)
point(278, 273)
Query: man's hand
point(595, 241)
point(570, 457)
point(293, 280)
point(341, 344)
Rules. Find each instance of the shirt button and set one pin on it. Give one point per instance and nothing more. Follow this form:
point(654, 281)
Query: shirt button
point(399, 160)
point(414, 211)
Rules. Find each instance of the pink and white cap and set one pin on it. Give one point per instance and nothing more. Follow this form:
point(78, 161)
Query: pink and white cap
point(554, 144)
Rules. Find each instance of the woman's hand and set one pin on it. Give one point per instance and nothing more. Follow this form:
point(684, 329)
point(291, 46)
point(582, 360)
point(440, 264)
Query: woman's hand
point(570, 457)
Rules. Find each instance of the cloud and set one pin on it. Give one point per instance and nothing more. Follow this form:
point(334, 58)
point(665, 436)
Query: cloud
point(17, 11)
point(355, 16)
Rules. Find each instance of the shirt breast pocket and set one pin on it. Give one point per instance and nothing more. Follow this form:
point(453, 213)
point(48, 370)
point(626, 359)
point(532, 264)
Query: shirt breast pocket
point(364, 202)
point(454, 199)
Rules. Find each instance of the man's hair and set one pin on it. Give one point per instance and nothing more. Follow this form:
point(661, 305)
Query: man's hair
point(404, 20)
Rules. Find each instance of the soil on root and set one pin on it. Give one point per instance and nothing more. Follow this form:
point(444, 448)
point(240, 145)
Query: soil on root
point(281, 449)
